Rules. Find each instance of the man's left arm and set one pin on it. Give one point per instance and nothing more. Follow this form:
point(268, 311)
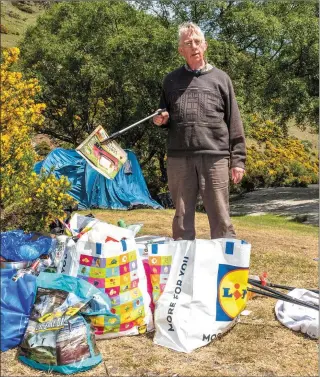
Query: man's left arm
point(236, 136)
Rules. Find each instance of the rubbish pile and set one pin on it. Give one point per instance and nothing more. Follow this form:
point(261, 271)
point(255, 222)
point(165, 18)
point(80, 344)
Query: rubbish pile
point(60, 293)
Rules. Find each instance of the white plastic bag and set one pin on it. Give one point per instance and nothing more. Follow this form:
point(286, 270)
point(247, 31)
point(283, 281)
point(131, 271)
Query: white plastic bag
point(297, 317)
point(205, 292)
point(103, 232)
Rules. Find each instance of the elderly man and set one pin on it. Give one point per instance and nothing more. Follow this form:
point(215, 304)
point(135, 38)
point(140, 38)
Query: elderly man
point(205, 138)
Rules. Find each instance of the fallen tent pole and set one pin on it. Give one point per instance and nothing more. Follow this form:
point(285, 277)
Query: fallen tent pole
point(268, 289)
point(264, 293)
point(291, 300)
point(262, 279)
point(289, 288)
point(116, 134)
point(282, 296)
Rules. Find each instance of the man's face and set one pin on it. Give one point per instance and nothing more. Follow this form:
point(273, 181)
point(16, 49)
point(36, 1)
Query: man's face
point(192, 48)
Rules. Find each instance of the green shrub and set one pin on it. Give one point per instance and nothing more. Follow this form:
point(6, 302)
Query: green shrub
point(280, 162)
point(43, 148)
point(36, 203)
point(277, 159)
point(307, 145)
point(27, 201)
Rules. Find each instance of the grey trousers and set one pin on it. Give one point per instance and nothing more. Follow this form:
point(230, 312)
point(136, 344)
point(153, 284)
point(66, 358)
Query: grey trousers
point(209, 176)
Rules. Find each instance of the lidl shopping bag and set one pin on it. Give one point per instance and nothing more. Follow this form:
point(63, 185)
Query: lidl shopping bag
point(205, 292)
point(59, 337)
point(116, 269)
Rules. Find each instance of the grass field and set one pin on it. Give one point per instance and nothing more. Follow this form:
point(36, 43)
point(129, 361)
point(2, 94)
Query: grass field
point(257, 346)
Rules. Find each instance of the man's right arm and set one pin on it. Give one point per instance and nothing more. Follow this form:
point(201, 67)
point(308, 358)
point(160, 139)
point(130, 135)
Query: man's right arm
point(163, 118)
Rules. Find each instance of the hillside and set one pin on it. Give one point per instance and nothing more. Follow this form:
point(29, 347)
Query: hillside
point(16, 16)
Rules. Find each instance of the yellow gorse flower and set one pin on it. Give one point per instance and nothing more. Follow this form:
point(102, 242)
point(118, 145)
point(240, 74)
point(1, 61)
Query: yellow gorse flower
point(34, 200)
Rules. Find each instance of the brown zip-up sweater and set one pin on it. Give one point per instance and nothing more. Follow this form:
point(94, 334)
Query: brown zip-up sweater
point(204, 115)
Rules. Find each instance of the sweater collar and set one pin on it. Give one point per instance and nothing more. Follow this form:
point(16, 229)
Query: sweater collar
point(206, 68)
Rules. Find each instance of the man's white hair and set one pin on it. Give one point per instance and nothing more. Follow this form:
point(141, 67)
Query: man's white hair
point(187, 27)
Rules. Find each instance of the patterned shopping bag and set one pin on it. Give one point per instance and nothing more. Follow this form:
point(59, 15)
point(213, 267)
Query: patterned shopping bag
point(116, 269)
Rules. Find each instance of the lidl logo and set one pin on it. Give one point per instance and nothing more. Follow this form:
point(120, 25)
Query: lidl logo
point(232, 291)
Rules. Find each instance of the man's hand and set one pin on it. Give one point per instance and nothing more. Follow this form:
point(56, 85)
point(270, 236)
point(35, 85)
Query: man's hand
point(161, 119)
point(236, 174)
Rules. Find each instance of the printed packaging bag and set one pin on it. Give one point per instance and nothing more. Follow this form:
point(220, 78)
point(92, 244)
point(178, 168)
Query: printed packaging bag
point(205, 292)
point(58, 336)
point(115, 268)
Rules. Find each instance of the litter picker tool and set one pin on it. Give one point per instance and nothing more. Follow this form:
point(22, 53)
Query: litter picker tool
point(118, 133)
point(287, 288)
point(103, 153)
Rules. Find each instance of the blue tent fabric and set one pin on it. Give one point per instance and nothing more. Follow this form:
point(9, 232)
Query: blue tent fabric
point(93, 190)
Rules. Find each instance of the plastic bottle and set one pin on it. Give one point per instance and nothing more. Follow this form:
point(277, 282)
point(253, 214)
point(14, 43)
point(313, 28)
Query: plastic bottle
point(32, 270)
point(59, 250)
point(122, 224)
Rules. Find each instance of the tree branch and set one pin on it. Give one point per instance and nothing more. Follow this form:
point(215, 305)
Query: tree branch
point(278, 50)
point(50, 132)
point(149, 158)
point(247, 46)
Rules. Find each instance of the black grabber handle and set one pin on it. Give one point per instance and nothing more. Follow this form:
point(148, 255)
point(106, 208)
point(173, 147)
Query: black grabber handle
point(118, 133)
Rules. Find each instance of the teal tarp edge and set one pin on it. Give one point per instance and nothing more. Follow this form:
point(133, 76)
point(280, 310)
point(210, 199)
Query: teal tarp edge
point(92, 190)
point(80, 366)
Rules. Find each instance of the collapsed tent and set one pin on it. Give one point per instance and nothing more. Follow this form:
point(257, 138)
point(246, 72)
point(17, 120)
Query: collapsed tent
point(92, 190)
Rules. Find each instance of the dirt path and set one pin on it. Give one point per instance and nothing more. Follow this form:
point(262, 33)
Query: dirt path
point(299, 203)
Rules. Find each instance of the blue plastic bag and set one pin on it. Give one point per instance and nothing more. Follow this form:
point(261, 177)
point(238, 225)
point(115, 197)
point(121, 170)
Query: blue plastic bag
point(58, 337)
point(19, 246)
point(16, 303)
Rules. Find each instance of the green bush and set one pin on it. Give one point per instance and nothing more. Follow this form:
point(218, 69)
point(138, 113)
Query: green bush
point(43, 148)
point(36, 203)
point(27, 201)
point(280, 162)
point(307, 145)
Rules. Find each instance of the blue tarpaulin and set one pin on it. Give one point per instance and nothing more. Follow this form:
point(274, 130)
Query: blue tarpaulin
point(92, 190)
point(15, 306)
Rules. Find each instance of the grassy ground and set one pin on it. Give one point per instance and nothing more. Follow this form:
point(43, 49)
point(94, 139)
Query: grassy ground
point(257, 346)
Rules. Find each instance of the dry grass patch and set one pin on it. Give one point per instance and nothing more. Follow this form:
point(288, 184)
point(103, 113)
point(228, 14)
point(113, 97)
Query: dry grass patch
point(257, 346)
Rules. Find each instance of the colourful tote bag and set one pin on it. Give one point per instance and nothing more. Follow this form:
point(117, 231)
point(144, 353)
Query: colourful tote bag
point(116, 269)
point(205, 292)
